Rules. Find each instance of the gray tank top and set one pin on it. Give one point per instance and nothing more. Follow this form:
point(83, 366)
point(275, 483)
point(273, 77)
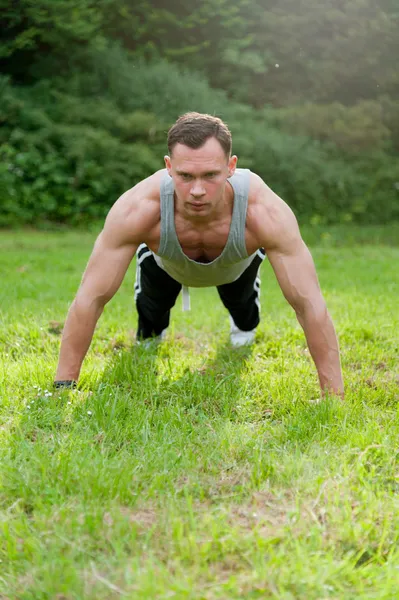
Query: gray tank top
point(233, 260)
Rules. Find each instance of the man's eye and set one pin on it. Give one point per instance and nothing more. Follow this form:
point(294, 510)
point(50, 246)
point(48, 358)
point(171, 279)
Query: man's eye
point(186, 176)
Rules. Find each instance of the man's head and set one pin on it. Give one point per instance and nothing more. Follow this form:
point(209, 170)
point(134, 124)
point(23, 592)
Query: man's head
point(199, 162)
point(194, 129)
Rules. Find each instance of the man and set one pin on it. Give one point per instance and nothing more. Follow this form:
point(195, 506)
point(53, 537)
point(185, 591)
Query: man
point(201, 222)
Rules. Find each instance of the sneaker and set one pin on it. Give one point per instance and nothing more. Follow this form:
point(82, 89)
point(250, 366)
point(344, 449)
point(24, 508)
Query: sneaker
point(152, 341)
point(238, 337)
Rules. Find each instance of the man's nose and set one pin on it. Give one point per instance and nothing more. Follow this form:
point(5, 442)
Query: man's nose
point(198, 189)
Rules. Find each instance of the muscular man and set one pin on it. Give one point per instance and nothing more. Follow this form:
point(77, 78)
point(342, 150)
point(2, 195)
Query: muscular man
point(200, 222)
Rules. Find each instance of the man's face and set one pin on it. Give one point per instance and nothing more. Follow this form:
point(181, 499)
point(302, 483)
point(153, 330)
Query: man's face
point(200, 176)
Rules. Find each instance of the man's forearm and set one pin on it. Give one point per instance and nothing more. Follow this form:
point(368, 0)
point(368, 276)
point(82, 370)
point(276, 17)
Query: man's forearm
point(76, 338)
point(323, 346)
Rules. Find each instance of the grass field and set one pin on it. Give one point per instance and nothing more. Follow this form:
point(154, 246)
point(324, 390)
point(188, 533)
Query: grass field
point(195, 471)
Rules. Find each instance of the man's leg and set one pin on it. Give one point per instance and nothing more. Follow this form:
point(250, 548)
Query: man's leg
point(241, 298)
point(155, 294)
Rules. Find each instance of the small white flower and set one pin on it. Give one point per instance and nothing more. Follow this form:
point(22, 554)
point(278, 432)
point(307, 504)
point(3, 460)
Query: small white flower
point(277, 65)
point(28, 406)
point(89, 412)
point(69, 402)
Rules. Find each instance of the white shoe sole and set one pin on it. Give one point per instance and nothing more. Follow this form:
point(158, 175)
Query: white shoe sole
point(152, 341)
point(238, 337)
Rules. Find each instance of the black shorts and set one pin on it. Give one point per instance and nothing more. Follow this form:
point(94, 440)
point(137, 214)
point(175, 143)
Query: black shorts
point(156, 293)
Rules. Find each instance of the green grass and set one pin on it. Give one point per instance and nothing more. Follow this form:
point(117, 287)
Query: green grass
point(194, 471)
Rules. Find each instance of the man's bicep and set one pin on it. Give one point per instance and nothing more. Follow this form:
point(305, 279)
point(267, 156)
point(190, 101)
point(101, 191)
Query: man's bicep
point(296, 275)
point(106, 269)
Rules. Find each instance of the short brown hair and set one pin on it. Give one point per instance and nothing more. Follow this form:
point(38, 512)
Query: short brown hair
point(194, 129)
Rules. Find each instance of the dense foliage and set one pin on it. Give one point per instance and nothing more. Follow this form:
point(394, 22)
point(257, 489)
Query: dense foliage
point(309, 90)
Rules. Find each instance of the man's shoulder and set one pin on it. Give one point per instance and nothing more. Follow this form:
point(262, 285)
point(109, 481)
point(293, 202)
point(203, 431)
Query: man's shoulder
point(257, 187)
point(269, 217)
point(147, 189)
point(143, 197)
point(136, 213)
point(263, 200)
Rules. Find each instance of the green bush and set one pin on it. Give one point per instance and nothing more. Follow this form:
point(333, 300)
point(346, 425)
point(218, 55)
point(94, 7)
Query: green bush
point(69, 148)
point(160, 88)
point(321, 184)
point(69, 171)
point(353, 129)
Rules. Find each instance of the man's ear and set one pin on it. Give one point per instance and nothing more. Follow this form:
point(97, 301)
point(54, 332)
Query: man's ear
point(232, 165)
point(168, 164)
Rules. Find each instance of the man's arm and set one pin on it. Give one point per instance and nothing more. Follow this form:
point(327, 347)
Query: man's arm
point(293, 265)
point(296, 275)
point(111, 256)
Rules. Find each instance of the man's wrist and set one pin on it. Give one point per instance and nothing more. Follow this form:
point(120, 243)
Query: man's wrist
point(333, 390)
point(65, 383)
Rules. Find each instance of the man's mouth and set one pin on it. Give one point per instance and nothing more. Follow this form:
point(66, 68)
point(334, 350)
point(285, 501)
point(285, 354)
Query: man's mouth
point(197, 204)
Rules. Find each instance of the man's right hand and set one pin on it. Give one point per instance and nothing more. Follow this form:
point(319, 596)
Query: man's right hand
point(65, 383)
point(111, 256)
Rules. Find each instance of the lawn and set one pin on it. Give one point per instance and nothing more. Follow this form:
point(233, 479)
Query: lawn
point(193, 470)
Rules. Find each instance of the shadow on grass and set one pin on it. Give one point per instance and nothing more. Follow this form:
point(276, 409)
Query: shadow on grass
point(215, 389)
point(148, 374)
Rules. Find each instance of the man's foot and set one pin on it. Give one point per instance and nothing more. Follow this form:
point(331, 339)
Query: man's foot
point(152, 341)
point(238, 337)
